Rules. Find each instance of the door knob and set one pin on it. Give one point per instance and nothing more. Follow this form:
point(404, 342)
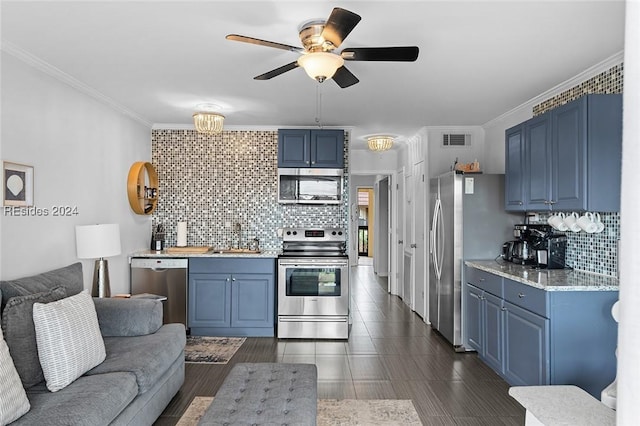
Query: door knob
point(413, 245)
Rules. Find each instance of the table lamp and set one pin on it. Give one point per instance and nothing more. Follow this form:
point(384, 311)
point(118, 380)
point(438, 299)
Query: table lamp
point(98, 242)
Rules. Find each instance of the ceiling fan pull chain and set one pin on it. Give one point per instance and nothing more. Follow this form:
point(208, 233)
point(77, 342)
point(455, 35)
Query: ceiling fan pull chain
point(318, 106)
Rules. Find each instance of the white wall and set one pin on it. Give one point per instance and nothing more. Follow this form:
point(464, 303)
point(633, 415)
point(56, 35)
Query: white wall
point(629, 331)
point(494, 137)
point(367, 162)
point(441, 158)
point(81, 150)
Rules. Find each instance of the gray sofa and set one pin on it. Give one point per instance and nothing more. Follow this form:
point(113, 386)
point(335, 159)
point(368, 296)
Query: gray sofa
point(143, 369)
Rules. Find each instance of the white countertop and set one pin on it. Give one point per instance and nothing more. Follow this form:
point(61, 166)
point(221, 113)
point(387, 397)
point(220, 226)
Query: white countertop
point(550, 280)
point(152, 253)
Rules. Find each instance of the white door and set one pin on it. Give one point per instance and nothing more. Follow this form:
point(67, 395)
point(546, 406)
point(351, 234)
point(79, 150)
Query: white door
point(408, 245)
point(420, 213)
point(399, 234)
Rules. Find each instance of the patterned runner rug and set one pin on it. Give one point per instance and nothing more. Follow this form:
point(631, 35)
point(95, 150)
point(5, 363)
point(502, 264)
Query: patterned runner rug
point(211, 350)
point(345, 412)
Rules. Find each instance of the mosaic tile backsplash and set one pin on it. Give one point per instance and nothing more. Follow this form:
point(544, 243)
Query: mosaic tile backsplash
point(591, 252)
point(215, 181)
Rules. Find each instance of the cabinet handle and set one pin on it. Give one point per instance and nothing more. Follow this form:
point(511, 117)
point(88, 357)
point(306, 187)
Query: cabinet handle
point(552, 202)
point(233, 279)
point(400, 242)
point(520, 203)
point(227, 279)
point(503, 309)
point(547, 202)
point(313, 162)
point(521, 295)
point(481, 279)
point(413, 245)
point(483, 298)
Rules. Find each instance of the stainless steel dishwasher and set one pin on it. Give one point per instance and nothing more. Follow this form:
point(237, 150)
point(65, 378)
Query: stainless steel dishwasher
point(164, 277)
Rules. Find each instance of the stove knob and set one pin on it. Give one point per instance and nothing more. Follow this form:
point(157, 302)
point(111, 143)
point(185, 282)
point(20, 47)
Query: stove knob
point(295, 232)
point(333, 233)
point(288, 232)
point(339, 232)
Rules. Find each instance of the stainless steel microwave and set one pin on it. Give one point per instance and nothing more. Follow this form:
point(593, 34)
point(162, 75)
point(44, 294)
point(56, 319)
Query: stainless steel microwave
point(310, 186)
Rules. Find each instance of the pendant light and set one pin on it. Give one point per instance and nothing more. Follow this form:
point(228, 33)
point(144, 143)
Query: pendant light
point(380, 143)
point(207, 120)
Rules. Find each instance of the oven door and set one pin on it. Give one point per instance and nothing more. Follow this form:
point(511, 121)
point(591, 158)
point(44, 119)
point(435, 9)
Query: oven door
point(313, 286)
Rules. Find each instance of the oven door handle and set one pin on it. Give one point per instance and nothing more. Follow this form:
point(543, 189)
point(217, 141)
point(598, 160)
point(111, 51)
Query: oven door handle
point(311, 319)
point(313, 265)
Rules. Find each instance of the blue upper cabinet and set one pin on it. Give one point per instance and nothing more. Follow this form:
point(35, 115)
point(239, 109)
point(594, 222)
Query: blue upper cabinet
point(572, 157)
point(311, 148)
point(515, 171)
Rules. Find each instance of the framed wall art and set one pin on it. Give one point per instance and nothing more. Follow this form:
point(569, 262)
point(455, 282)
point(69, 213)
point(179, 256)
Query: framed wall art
point(18, 184)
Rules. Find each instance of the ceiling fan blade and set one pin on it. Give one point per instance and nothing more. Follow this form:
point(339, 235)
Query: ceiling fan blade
point(344, 78)
point(339, 25)
point(251, 40)
point(276, 72)
point(396, 54)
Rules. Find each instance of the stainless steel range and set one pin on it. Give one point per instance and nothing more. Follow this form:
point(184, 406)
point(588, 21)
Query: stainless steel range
point(313, 284)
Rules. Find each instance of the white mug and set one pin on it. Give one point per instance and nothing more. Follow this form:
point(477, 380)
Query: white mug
point(586, 223)
point(598, 221)
point(557, 222)
point(570, 221)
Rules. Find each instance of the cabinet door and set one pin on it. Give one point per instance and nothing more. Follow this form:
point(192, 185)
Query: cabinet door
point(327, 148)
point(538, 164)
point(294, 148)
point(473, 319)
point(568, 156)
point(526, 347)
point(252, 300)
point(209, 297)
point(514, 169)
point(494, 332)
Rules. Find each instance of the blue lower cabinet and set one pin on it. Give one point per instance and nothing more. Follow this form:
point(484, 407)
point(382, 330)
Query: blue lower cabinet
point(526, 347)
point(530, 336)
point(236, 300)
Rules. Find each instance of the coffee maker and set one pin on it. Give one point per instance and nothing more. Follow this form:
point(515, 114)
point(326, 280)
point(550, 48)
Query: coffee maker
point(536, 244)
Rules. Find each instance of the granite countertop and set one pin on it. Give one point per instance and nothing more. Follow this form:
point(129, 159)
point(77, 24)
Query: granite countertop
point(550, 280)
point(211, 253)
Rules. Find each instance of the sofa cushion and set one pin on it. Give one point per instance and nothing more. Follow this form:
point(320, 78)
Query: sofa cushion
point(128, 317)
point(94, 400)
point(70, 277)
point(13, 400)
point(69, 339)
point(148, 357)
point(20, 333)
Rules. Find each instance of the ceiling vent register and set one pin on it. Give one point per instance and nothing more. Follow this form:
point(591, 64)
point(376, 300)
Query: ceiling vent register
point(455, 140)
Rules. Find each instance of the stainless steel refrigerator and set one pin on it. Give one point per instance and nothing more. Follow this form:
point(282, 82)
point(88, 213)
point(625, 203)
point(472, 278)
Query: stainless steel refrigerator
point(467, 221)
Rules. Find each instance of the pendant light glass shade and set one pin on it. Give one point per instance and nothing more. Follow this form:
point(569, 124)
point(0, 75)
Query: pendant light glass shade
point(320, 65)
point(208, 122)
point(380, 143)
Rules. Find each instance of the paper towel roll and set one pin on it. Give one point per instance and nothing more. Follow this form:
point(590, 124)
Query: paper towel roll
point(182, 234)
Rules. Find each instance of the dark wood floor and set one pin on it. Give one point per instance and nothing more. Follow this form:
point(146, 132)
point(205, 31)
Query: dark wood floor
point(391, 354)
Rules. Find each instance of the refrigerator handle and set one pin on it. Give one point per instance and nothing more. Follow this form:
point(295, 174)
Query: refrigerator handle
point(433, 249)
point(439, 242)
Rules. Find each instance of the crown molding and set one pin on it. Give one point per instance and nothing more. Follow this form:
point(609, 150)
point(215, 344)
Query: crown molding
point(245, 128)
point(611, 61)
point(67, 79)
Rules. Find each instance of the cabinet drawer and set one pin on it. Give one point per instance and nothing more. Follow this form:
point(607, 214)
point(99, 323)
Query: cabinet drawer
point(527, 297)
point(484, 280)
point(231, 265)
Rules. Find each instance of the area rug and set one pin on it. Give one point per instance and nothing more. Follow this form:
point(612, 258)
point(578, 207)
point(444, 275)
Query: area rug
point(211, 350)
point(334, 412)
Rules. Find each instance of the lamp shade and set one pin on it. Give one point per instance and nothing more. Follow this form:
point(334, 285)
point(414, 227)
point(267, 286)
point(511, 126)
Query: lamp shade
point(320, 65)
point(96, 241)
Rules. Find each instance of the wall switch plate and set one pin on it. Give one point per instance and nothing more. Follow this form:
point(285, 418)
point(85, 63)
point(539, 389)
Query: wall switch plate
point(468, 185)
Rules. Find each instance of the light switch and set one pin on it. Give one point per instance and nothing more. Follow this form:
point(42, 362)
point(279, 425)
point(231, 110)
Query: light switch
point(468, 185)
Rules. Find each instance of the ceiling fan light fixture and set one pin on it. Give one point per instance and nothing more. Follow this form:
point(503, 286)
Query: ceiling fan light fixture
point(320, 65)
point(207, 120)
point(380, 143)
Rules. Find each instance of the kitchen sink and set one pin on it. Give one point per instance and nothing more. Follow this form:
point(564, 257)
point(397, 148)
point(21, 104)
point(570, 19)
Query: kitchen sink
point(236, 251)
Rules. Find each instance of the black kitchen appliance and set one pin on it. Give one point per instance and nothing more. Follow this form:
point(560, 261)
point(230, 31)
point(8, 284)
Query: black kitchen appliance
point(551, 252)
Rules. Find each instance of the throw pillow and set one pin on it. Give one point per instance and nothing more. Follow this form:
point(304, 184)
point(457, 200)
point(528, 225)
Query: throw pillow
point(20, 334)
point(70, 277)
point(13, 399)
point(69, 339)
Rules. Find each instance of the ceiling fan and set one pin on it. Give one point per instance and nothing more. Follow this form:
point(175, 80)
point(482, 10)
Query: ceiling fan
point(320, 39)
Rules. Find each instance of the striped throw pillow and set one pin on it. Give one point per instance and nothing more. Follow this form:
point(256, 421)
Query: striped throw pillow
point(68, 338)
point(13, 399)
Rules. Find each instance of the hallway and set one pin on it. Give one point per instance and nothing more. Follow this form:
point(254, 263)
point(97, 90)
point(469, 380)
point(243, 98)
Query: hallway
point(391, 354)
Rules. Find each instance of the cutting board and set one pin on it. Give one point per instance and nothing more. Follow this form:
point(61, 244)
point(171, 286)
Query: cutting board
point(188, 249)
